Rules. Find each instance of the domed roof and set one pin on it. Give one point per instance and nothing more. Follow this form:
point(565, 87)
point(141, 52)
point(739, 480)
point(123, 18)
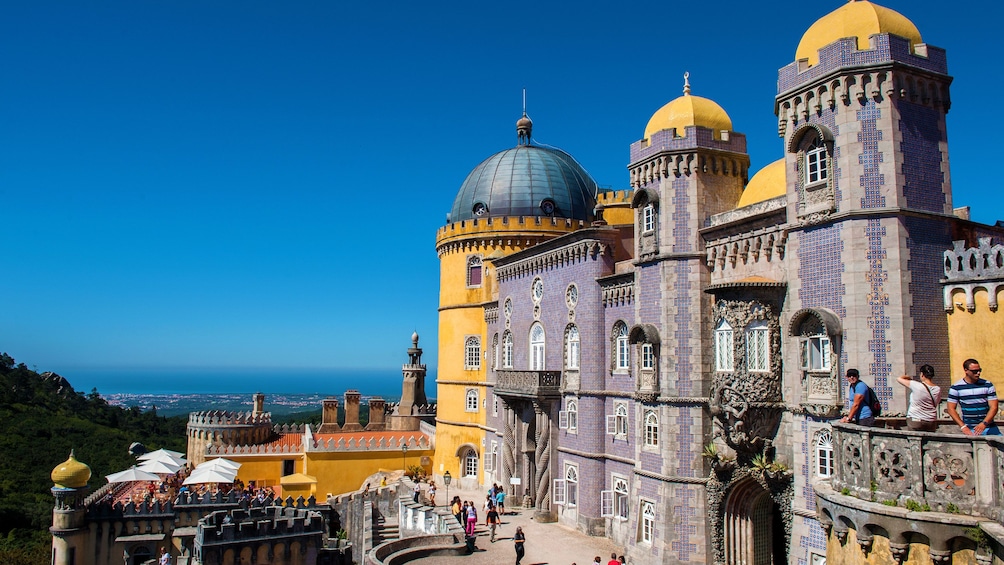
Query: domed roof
point(71, 473)
point(859, 19)
point(526, 181)
point(689, 110)
point(769, 182)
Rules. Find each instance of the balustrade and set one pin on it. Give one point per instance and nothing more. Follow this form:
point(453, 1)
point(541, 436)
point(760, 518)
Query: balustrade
point(529, 384)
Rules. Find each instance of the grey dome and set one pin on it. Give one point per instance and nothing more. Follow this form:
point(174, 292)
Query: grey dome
point(526, 181)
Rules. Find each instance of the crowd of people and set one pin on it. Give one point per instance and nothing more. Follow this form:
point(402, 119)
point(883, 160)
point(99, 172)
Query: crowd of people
point(972, 401)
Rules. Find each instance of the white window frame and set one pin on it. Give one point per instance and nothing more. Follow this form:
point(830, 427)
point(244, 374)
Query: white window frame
point(572, 351)
point(815, 352)
point(537, 340)
point(648, 218)
point(507, 350)
point(647, 357)
point(572, 412)
point(558, 492)
point(824, 454)
point(815, 164)
point(472, 353)
point(647, 521)
point(757, 347)
point(606, 504)
point(622, 349)
point(490, 457)
point(724, 346)
point(495, 351)
point(651, 429)
point(571, 485)
point(475, 262)
point(470, 467)
point(622, 509)
point(617, 423)
point(471, 400)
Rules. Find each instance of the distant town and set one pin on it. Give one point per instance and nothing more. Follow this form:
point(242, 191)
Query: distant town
point(181, 404)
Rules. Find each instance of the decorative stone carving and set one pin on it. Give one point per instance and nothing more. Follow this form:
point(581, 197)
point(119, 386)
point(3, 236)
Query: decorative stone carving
point(720, 483)
point(899, 551)
point(949, 472)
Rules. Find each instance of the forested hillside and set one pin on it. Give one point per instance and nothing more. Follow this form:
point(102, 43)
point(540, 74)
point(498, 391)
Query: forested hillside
point(41, 419)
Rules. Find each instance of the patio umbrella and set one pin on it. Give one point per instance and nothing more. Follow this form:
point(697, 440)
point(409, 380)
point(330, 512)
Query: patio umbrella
point(167, 458)
point(160, 453)
point(131, 474)
point(159, 467)
point(220, 463)
point(210, 476)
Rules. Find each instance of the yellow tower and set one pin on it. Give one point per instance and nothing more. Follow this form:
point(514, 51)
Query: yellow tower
point(69, 534)
point(513, 200)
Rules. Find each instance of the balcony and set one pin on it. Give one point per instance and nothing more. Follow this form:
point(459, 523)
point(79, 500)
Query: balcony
point(531, 385)
point(899, 483)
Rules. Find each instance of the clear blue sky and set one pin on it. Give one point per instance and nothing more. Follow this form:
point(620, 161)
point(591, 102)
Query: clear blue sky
point(258, 183)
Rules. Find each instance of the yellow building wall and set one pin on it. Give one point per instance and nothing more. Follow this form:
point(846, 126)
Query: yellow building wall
point(616, 204)
point(978, 335)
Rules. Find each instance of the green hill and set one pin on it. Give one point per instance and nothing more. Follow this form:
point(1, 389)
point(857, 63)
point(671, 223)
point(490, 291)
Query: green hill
point(41, 419)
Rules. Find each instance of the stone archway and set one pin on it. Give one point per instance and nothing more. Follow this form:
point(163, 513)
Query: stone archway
point(752, 526)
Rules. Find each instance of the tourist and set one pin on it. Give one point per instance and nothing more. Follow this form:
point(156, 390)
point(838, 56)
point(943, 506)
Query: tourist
point(459, 510)
point(493, 521)
point(472, 518)
point(519, 539)
point(418, 491)
point(597, 560)
point(978, 400)
point(500, 501)
point(620, 559)
point(489, 505)
point(859, 396)
point(924, 398)
point(432, 494)
point(613, 560)
point(383, 481)
point(165, 557)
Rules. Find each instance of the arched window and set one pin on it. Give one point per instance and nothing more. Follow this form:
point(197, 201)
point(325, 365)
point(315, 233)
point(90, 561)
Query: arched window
point(572, 408)
point(507, 350)
point(648, 218)
point(470, 463)
point(571, 485)
point(824, 454)
point(572, 348)
point(647, 521)
point(622, 348)
point(495, 351)
point(815, 352)
point(651, 429)
point(537, 347)
point(474, 271)
point(471, 404)
point(620, 419)
point(472, 353)
point(757, 347)
point(724, 349)
point(647, 356)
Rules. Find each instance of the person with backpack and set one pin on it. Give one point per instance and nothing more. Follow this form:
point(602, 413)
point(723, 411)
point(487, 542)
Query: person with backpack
point(864, 404)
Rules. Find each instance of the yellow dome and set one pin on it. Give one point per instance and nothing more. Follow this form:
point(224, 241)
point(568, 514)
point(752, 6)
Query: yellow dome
point(71, 473)
point(859, 19)
point(686, 111)
point(768, 182)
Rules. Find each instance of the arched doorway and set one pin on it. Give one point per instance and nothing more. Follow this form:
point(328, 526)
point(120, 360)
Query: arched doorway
point(754, 531)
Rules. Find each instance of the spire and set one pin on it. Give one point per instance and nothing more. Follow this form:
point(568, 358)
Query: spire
point(524, 126)
point(686, 83)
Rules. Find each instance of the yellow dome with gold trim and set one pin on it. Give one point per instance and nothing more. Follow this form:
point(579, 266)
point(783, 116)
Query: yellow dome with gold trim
point(71, 473)
point(689, 110)
point(859, 19)
point(769, 182)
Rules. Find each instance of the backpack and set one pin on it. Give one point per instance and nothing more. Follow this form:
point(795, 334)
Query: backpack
point(873, 402)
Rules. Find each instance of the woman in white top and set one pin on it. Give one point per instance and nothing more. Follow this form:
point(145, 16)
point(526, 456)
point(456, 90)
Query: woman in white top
point(924, 399)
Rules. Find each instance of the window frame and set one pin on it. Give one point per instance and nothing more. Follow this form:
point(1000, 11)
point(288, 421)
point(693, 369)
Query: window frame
point(617, 423)
point(816, 166)
point(538, 340)
point(571, 485)
point(647, 521)
point(471, 400)
point(572, 348)
point(808, 354)
point(472, 353)
point(725, 349)
point(470, 463)
point(758, 347)
point(507, 356)
point(651, 429)
point(572, 411)
point(621, 489)
point(823, 449)
point(647, 357)
point(475, 264)
point(648, 218)
point(622, 348)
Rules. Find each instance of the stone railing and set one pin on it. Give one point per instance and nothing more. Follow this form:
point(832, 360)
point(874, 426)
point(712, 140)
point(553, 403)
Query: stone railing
point(950, 473)
point(529, 384)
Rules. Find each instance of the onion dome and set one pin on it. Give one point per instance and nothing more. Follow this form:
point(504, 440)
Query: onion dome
point(689, 110)
point(71, 473)
point(526, 180)
point(769, 182)
point(858, 19)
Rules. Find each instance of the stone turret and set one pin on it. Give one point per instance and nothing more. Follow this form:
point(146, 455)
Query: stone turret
point(352, 412)
point(412, 390)
point(69, 533)
point(378, 416)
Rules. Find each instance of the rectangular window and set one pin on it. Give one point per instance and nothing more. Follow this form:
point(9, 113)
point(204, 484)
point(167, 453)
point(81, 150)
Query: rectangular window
point(648, 218)
point(647, 521)
point(815, 353)
point(647, 356)
point(623, 353)
point(757, 349)
point(606, 503)
point(288, 467)
point(563, 420)
point(815, 165)
point(472, 353)
point(559, 492)
point(724, 350)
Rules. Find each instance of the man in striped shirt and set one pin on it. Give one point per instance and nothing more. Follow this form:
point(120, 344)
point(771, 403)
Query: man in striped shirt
point(978, 400)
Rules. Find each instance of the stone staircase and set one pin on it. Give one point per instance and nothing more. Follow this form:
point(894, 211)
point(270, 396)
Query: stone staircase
point(384, 530)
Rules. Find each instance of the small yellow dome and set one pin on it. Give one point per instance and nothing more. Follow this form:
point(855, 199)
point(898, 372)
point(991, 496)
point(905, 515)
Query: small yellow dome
point(689, 110)
point(71, 473)
point(769, 182)
point(858, 19)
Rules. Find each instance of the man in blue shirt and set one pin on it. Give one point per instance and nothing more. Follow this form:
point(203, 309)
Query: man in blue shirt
point(860, 412)
point(978, 400)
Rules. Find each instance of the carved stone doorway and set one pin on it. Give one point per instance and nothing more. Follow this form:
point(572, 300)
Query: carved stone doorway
point(754, 529)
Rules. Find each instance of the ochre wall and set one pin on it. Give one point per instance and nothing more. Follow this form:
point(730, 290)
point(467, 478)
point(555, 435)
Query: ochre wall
point(850, 553)
point(978, 335)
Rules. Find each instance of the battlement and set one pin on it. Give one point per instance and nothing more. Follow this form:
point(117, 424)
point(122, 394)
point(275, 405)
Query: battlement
point(694, 137)
point(223, 418)
point(265, 449)
point(420, 409)
point(264, 523)
point(103, 509)
point(506, 224)
point(613, 197)
point(368, 444)
point(982, 262)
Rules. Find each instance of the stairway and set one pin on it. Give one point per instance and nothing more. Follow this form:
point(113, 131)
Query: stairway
point(384, 531)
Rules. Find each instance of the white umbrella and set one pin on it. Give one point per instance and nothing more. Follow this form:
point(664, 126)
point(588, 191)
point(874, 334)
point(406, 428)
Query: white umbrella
point(160, 453)
point(167, 458)
point(210, 476)
point(159, 467)
point(220, 463)
point(131, 474)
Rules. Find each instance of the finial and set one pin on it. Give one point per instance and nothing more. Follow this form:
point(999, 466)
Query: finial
point(524, 126)
point(686, 84)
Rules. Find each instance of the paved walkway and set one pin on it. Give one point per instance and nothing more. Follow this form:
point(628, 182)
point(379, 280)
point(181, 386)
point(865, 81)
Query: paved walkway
point(550, 544)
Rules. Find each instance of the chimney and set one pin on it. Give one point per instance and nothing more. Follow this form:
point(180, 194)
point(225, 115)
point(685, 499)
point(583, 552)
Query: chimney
point(329, 417)
point(378, 407)
point(352, 412)
point(259, 403)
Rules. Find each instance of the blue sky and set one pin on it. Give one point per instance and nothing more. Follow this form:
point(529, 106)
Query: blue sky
point(258, 184)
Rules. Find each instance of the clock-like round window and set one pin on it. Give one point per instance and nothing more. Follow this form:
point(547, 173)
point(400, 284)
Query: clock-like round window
point(572, 296)
point(507, 308)
point(480, 209)
point(538, 290)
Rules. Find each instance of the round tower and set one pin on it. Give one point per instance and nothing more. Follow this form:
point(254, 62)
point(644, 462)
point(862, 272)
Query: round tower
point(69, 536)
point(515, 199)
point(219, 428)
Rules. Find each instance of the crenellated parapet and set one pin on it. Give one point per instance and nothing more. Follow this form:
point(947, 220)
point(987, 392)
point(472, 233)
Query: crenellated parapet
point(561, 257)
point(766, 244)
point(266, 449)
point(614, 197)
point(275, 529)
point(368, 444)
point(507, 231)
point(223, 418)
point(846, 75)
point(972, 268)
point(420, 409)
point(665, 155)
